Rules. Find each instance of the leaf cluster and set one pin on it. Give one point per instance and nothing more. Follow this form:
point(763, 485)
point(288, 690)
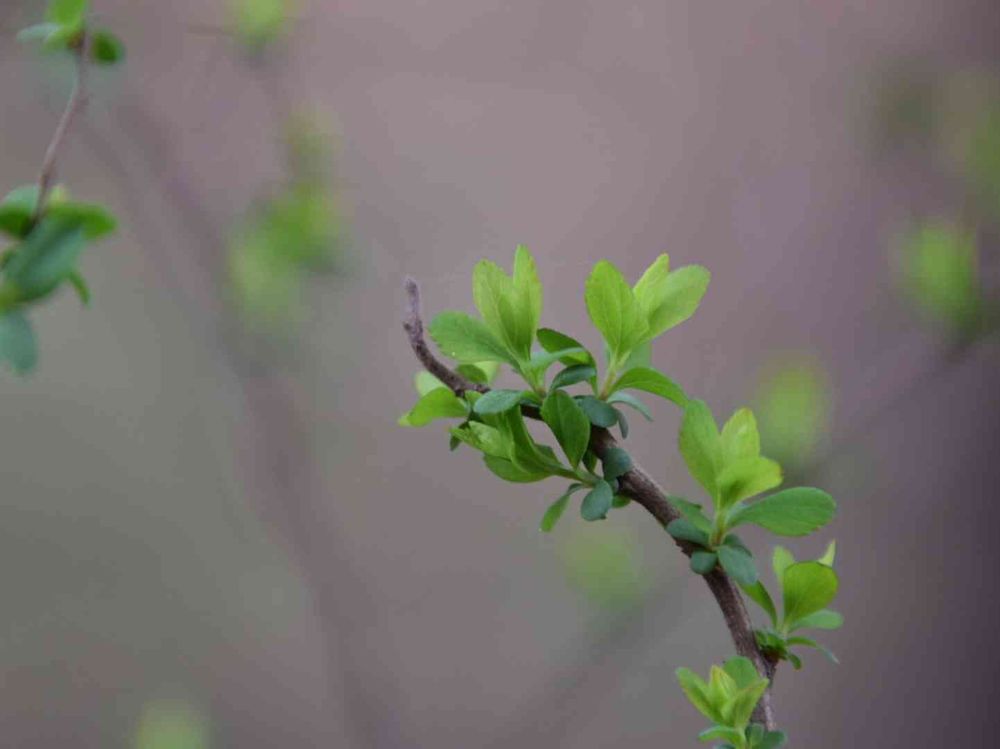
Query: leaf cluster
point(65, 28)
point(728, 699)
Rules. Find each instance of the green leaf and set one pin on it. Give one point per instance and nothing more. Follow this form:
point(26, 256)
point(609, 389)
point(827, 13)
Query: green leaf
point(759, 595)
point(17, 343)
point(466, 339)
point(572, 375)
point(772, 740)
point(781, 560)
point(810, 643)
point(685, 530)
point(483, 438)
point(540, 361)
point(739, 438)
point(424, 382)
point(528, 289)
point(553, 340)
point(106, 48)
point(630, 400)
point(38, 33)
point(79, 284)
point(557, 508)
point(703, 562)
point(596, 504)
point(599, 412)
point(739, 708)
point(829, 555)
point(440, 403)
point(747, 478)
point(67, 12)
point(742, 670)
point(506, 470)
point(697, 692)
point(17, 211)
point(792, 512)
point(504, 308)
point(693, 513)
point(498, 401)
point(44, 259)
point(700, 445)
point(716, 733)
point(649, 380)
point(526, 453)
point(622, 423)
point(668, 299)
point(808, 587)
point(616, 463)
point(568, 423)
point(823, 619)
point(96, 220)
point(620, 501)
point(794, 411)
point(737, 564)
point(614, 311)
point(482, 373)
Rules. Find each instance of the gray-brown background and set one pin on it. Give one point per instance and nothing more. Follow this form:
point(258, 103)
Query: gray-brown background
point(267, 545)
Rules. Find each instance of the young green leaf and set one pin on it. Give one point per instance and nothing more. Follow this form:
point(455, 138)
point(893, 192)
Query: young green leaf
point(742, 670)
point(596, 504)
point(424, 382)
point(829, 555)
point(503, 309)
point(96, 220)
point(616, 463)
point(684, 530)
point(700, 445)
point(498, 401)
point(483, 438)
point(17, 343)
point(568, 423)
point(528, 288)
point(508, 471)
point(599, 412)
point(540, 361)
point(693, 513)
point(792, 512)
point(440, 403)
point(38, 32)
point(668, 299)
point(747, 477)
point(649, 380)
point(697, 692)
point(724, 733)
point(823, 619)
point(553, 340)
point(772, 740)
point(737, 564)
point(44, 259)
point(808, 587)
point(67, 12)
point(739, 438)
point(703, 562)
point(630, 400)
point(781, 560)
point(79, 284)
point(17, 211)
point(810, 643)
point(557, 508)
point(739, 708)
point(614, 311)
point(572, 375)
point(759, 595)
point(466, 339)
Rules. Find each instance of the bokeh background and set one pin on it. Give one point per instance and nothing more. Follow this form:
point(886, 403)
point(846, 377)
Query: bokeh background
point(214, 534)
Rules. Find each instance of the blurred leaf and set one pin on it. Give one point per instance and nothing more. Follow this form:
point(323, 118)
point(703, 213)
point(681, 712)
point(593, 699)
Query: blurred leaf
point(17, 343)
point(67, 12)
point(79, 284)
point(604, 564)
point(171, 725)
point(17, 210)
point(938, 271)
point(260, 23)
point(44, 259)
point(793, 409)
point(106, 48)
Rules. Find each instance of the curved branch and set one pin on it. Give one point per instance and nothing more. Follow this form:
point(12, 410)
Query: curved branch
point(638, 486)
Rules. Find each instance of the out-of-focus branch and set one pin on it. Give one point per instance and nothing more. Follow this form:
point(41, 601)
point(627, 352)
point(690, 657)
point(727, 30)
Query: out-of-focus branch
point(77, 102)
point(638, 486)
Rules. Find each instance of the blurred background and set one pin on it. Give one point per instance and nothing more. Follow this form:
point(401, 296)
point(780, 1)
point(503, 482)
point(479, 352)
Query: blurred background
point(214, 534)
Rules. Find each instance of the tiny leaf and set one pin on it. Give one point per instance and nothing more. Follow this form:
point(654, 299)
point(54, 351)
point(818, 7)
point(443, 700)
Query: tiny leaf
point(598, 501)
point(497, 401)
point(703, 562)
point(737, 564)
point(599, 412)
point(649, 380)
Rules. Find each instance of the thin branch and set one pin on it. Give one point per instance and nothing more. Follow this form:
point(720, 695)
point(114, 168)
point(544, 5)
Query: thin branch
point(77, 102)
point(640, 487)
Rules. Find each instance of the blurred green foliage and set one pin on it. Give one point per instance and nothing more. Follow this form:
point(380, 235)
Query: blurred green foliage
point(604, 565)
point(289, 237)
point(793, 410)
point(258, 24)
point(937, 269)
point(172, 724)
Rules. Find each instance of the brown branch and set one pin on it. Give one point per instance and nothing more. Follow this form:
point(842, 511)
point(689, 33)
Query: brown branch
point(640, 487)
point(77, 102)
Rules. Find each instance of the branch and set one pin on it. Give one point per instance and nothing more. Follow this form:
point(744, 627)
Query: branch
point(77, 102)
point(638, 486)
